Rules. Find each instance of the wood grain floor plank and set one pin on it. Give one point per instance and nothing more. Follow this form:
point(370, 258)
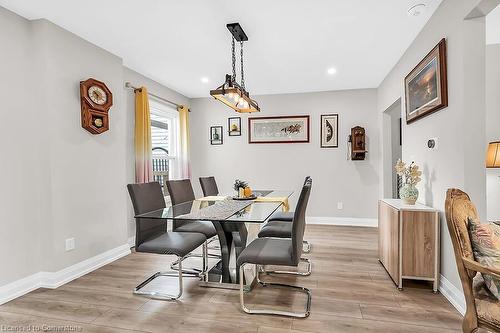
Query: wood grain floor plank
point(437, 319)
point(351, 292)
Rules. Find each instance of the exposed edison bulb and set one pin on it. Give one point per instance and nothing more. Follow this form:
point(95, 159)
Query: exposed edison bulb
point(230, 95)
point(236, 98)
point(245, 104)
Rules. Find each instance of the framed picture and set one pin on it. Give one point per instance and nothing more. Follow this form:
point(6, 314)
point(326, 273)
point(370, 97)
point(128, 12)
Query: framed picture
point(284, 129)
point(234, 125)
point(216, 135)
point(329, 131)
point(426, 87)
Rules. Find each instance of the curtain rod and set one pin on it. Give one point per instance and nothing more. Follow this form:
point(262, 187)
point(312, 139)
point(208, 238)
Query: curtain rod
point(129, 85)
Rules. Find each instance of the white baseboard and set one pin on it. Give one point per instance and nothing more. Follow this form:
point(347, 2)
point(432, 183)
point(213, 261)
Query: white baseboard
point(56, 279)
point(131, 242)
point(454, 295)
point(345, 221)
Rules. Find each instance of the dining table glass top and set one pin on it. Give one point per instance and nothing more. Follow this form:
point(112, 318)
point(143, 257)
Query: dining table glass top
point(256, 211)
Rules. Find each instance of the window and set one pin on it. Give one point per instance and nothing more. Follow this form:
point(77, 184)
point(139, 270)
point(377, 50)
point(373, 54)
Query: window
point(164, 139)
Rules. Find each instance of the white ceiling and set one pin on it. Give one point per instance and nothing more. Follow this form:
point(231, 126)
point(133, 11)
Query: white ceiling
point(291, 43)
point(493, 26)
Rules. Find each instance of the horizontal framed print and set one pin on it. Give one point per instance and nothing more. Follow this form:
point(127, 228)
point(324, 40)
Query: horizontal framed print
point(216, 135)
point(284, 129)
point(329, 131)
point(426, 87)
point(234, 124)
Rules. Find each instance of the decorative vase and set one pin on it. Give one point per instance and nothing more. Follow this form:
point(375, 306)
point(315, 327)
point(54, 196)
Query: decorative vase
point(409, 194)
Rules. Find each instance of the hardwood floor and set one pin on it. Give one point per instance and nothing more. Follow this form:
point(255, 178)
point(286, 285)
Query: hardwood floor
point(350, 289)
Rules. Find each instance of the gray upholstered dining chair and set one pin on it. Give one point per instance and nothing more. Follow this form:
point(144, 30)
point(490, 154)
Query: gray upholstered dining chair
point(209, 186)
point(279, 252)
point(182, 191)
point(151, 236)
point(283, 229)
point(276, 226)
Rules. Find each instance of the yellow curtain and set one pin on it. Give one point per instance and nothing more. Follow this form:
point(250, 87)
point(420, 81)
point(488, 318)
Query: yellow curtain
point(185, 171)
point(143, 145)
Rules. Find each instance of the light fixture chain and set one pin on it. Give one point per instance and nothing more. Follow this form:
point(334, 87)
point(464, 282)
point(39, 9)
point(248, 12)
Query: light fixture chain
point(233, 53)
point(242, 71)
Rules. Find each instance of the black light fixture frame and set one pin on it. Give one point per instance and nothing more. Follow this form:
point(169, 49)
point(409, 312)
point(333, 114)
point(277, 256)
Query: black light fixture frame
point(230, 86)
point(237, 31)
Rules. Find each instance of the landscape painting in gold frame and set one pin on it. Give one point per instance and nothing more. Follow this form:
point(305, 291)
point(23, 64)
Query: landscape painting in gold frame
point(426, 87)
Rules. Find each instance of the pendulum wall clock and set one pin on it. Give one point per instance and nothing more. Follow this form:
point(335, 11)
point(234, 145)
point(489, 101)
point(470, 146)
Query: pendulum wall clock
point(96, 100)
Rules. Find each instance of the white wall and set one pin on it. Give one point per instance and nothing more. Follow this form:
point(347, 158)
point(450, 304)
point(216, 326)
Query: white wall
point(492, 126)
point(459, 160)
point(284, 166)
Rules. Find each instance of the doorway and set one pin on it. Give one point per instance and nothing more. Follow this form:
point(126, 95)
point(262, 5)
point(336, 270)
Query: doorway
point(392, 127)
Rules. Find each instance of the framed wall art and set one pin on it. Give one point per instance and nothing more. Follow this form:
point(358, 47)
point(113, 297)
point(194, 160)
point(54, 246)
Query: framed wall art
point(283, 129)
point(426, 87)
point(329, 131)
point(216, 135)
point(234, 125)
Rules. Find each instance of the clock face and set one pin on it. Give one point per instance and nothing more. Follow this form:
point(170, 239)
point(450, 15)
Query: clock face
point(97, 95)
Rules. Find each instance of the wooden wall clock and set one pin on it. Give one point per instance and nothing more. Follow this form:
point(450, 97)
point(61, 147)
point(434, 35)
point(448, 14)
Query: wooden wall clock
point(96, 100)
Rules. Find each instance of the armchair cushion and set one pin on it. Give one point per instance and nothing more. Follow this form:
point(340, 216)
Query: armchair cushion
point(485, 239)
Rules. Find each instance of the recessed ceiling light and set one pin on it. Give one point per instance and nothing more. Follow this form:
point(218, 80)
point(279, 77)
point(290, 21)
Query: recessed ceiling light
point(204, 79)
point(331, 71)
point(416, 10)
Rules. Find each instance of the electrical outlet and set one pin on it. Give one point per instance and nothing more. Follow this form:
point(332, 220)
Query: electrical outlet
point(70, 244)
point(340, 205)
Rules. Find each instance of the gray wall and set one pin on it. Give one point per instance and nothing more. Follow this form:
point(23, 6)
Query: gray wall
point(460, 128)
point(58, 180)
point(492, 126)
point(85, 195)
point(355, 183)
point(22, 145)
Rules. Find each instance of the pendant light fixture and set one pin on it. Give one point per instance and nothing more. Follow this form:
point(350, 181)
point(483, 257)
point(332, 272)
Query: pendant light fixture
point(232, 93)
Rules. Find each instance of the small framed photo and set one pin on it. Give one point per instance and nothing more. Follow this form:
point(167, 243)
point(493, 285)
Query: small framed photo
point(234, 125)
point(216, 135)
point(329, 131)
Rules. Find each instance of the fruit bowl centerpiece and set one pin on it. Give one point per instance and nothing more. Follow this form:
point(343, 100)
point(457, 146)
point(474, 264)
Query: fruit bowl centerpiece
point(244, 192)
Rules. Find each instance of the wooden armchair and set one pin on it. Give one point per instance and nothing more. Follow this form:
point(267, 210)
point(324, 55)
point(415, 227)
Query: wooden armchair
point(483, 310)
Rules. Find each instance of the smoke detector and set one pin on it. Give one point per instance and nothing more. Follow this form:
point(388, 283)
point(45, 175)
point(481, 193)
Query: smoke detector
point(416, 10)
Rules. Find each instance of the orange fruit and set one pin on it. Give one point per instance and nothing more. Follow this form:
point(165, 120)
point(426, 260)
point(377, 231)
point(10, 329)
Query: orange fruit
point(247, 192)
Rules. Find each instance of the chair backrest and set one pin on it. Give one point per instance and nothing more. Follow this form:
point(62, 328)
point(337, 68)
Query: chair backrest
point(459, 209)
point(180, 191)
point(299, 221)
point(209, 186)
point(145, 198)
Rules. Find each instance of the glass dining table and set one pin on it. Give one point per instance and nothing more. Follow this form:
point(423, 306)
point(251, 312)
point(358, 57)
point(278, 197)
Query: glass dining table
point(232, 229)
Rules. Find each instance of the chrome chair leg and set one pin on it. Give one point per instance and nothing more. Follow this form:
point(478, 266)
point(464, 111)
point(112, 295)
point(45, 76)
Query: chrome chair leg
point(304, 314)
point(306, 273)
point(308, 246)
point(195, 271)
point(160, 295)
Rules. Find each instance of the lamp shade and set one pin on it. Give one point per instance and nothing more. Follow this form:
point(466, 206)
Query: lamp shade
point(493, 155)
